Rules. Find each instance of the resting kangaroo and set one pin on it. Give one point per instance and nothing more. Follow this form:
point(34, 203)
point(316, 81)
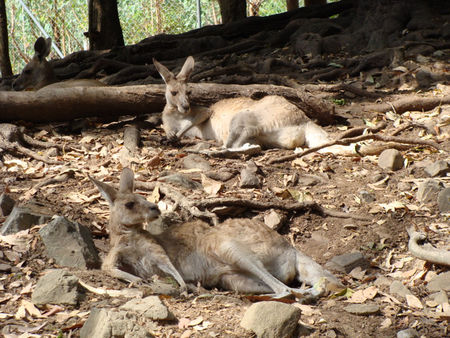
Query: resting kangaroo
point(272, 122)
point(242, 255)
point(39, 73)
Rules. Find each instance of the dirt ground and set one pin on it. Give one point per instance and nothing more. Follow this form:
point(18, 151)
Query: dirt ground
point(335, 182)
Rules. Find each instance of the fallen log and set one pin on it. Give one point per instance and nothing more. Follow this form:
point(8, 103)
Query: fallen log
point(65, 104)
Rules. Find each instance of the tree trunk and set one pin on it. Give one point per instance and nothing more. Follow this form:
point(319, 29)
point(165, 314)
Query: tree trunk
point(65, 104)
point(104, 25)
point(232, 10)
point(5, 63)
point(309, 3)
point(291, 4)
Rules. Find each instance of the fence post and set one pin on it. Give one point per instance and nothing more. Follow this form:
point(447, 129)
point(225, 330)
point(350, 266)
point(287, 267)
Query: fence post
point(35, 20)
point(199, 14)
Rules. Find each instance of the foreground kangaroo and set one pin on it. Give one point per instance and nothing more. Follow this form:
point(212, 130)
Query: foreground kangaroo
point(242, 255)
point(272, 122)
point(39, 73)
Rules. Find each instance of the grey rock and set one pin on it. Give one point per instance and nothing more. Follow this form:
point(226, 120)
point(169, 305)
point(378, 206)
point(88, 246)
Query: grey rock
point(22, 218)
point(439, 168)
point(274, 220)
point(271, 319)
point(193, 161)
point(150, 307)
point(444, 200)
point(390, 159)
point(221, 175)
point(367, 196)
point(377, 177)
point(362, 309)
point(70, 244)
point(57, 287)
point(6, 204)
point(109, 323)
point(399, 289)
point(181, 180)
point(5, 267)
point(408, 333)
point(404, 186)
point(440, 282)
point(347, 262)
point(249, 177)
point(428, 190)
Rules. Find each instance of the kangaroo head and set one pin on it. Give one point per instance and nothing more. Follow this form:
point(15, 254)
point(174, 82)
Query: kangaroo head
point(127, 208)
point(38, 72)
point(177, 95)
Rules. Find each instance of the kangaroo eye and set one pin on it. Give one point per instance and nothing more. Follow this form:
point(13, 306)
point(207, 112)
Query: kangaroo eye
point(173, 93)
point(129, 205)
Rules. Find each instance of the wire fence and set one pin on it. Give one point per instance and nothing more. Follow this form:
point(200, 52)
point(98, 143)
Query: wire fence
point(65, 21)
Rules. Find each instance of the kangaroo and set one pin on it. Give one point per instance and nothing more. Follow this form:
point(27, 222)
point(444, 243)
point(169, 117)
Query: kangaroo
point(39, 73)
point(272, 122)
point(241, 255)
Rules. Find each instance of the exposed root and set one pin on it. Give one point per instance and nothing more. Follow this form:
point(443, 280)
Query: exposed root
point(426, 252)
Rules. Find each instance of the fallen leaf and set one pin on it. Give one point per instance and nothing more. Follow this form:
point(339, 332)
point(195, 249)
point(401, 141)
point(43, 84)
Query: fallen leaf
point(31, 309)
point(155, 196)
point(183, 323)
point(386, 323)
point(392, 206)
point(361, 296)
point(196, 321)
point(211, 186)
point(413, 301)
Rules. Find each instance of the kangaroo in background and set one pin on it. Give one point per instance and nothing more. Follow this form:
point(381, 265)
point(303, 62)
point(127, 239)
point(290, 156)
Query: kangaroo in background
point(272, 122)
point(241, 255)
point(39, 73)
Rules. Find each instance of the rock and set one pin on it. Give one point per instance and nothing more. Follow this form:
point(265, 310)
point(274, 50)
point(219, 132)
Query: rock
point(408, 333)
point(399, 289)
point(362, 309)
point(439, 168)
point(70, 244)
point(274, 220)
point(444, 200)
point(221, 175)
point(22, 218)
point(6, 268)
point(440, 282)
point(57, 287)
point(181, 180)
point(377, 177)
point(193, 161)
point(390, 159)
point(150, 307)
point(367, 196)
point(6, 204)
point(271, 319)
point(347, 262)
point(404, 186)
point(249, 178)
point(109, 323)
point(428, 191)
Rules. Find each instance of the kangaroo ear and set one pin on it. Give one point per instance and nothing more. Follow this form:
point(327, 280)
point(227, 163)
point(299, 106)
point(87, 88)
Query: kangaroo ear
point(42, 47)
point(186, 71)
point(126, 181)
point(107, 191)
point(166, 74)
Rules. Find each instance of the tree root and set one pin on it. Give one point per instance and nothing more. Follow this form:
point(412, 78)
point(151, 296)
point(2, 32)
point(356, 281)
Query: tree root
point(426, 252)
point(348, 141)
point(412, 103)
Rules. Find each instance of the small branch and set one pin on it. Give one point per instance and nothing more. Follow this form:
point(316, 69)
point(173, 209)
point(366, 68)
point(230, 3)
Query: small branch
point(360, 130)
point(16, 148)
point(426, 252)
point(127, 293)
point(261, 205)
point(347, 141)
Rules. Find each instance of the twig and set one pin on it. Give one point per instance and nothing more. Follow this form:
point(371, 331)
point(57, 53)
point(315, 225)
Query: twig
point(360, 130)
point(17, 148)
point(261, 205)
point(128, 293)
point(426, 252)
point(347, 141)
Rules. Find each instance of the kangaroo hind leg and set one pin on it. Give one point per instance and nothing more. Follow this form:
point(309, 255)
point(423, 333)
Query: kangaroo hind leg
point(243, 129)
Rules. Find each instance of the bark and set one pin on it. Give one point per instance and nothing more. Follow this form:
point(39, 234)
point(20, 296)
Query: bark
point(5, 63)
point(309, 3)
point(66, 104)
point(291, 4)
point(104, 25)
point(232, 10)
